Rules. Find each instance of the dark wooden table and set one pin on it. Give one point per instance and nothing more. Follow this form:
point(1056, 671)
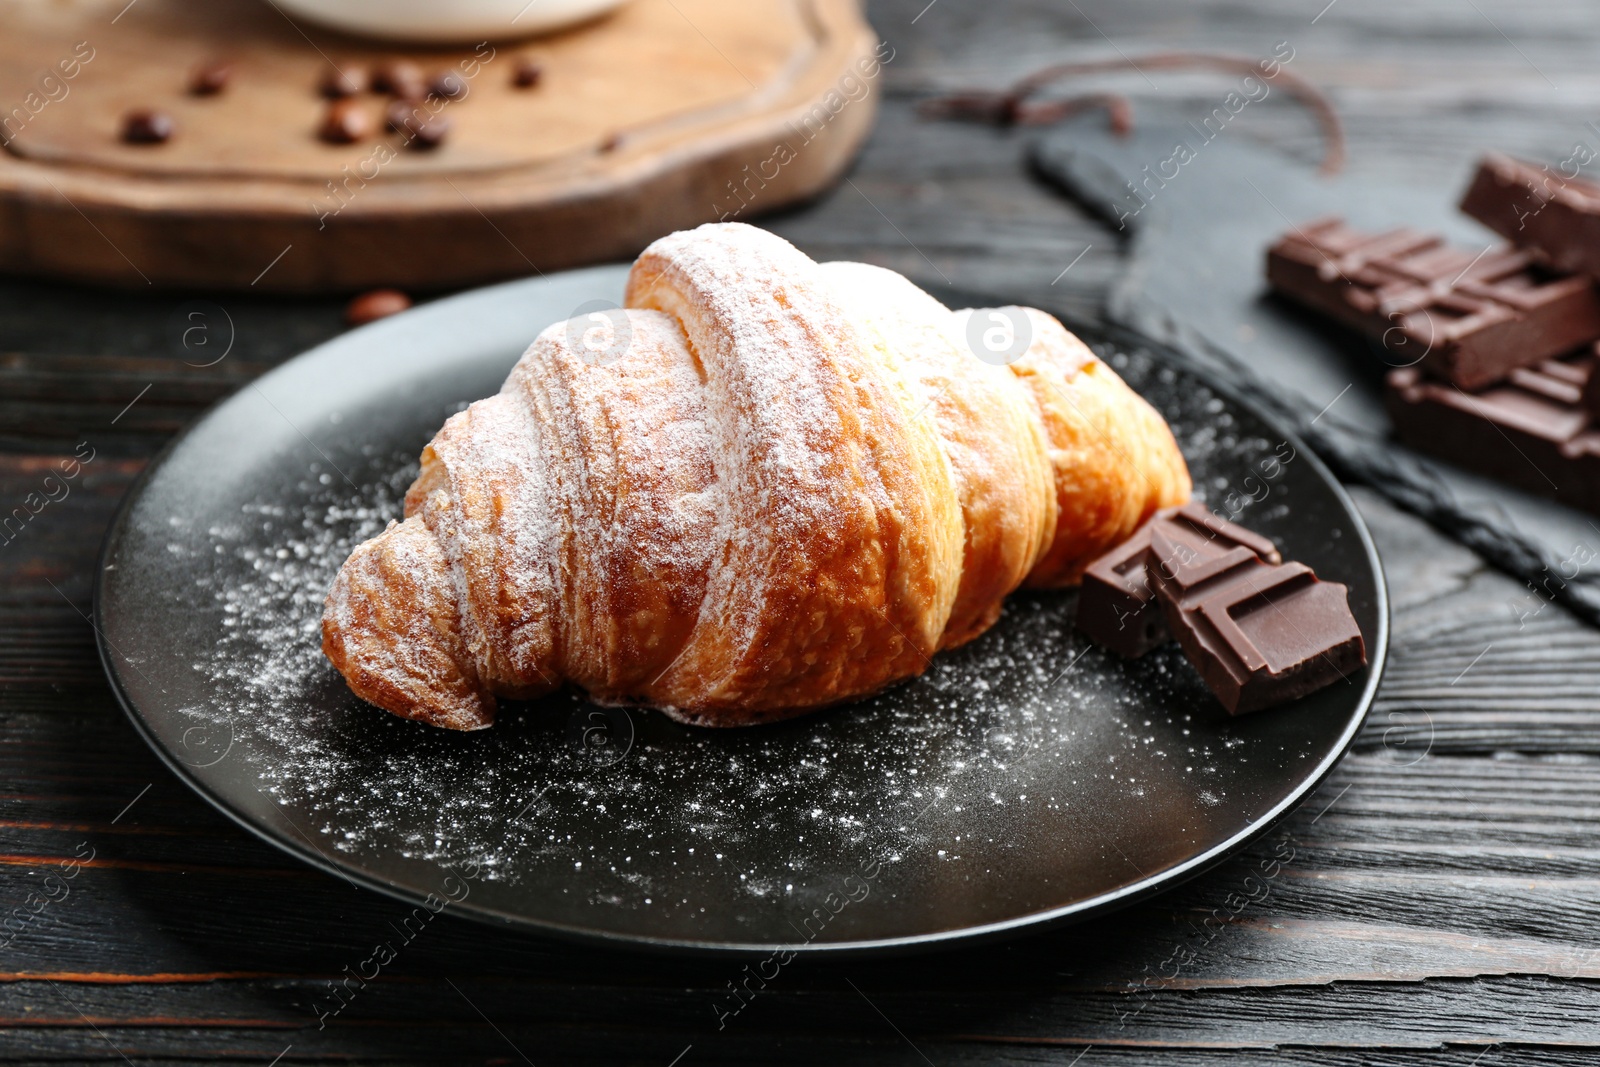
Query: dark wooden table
point(1442, 899)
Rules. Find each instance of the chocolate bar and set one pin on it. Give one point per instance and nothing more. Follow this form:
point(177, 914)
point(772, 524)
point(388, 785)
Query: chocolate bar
point(1468, 318)
point(1534, 207)
point(1116, 606)
point(1259, 633)
point(1590, 397)
point(1532, 430)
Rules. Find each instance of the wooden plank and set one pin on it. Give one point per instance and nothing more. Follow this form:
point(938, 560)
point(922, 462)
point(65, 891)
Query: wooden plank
point(253, 1014)
point(56, 509)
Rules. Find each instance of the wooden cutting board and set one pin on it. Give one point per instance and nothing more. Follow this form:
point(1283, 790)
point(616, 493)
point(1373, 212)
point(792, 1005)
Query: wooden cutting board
point(666, 114)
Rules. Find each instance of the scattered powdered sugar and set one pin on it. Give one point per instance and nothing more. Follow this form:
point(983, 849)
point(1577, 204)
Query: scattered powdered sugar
point(1022, 752)
point(275, 565)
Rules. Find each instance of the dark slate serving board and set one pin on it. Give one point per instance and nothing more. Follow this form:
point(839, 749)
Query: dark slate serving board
point(1195, 279)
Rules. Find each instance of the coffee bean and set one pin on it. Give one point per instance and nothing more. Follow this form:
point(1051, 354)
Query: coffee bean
point(448, 86)
point(209, 79)
point(345, 123)
point(431, 134)
point(422, 130)
point(378, 304)
point(403, 116)
point(400, 78)
point(527, 73)
point(146, 126)
point(337, 83)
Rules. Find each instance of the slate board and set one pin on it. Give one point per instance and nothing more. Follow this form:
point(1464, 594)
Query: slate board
point(1195, 279)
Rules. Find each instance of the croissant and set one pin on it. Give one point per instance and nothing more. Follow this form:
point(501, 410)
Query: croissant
point(794, 486)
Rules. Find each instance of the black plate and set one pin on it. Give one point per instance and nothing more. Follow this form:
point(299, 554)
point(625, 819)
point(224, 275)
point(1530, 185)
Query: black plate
point(1027, 778)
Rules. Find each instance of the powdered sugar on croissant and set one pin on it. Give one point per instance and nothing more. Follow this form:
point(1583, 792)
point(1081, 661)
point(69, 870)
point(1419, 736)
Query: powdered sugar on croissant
point(795, 485)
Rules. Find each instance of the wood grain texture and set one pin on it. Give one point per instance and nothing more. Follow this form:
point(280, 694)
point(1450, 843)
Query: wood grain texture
point(1439, 900)
point(663, 115)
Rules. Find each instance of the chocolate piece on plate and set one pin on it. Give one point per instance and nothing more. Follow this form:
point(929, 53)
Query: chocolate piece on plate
point(1532, 430)
point(1465, 316)
point(1536, 207)
point(1116, 606)
point(1259, 633)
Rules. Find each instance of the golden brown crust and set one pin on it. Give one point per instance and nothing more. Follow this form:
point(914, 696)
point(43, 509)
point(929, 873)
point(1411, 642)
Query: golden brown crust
point(839, 528)
point(790, 488)
point(632, 503)
point(393, 630)
point(1114, 457)
point(995, 446)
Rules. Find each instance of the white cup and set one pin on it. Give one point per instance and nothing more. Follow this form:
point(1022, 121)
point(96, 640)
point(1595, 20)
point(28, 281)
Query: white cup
point(447, 21)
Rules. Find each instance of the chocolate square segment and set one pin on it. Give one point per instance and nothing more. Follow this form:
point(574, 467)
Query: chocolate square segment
point(1533, 430)
point(1116, 606)
point(1589, 392)
point(1539, 207)
point(1466, 316)
point(1193, 525)
point(1260, 633)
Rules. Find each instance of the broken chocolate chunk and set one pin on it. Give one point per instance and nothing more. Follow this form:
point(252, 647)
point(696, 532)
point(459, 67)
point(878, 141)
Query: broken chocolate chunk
point(1116, 606)
point(1259, 633)
point(1533, 430)
point(1467, 317)
point(1540, 208)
